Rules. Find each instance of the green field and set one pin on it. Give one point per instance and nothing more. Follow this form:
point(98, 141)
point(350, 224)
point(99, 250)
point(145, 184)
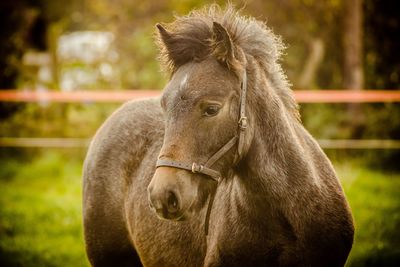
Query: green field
point(40, 212)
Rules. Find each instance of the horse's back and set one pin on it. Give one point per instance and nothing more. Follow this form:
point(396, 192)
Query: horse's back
point(115, 152)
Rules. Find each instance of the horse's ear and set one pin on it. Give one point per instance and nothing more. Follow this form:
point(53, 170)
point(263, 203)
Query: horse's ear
point(166, 37)
point(178, 49)
point(222, 45)
point(166, 43)
point(164, 34)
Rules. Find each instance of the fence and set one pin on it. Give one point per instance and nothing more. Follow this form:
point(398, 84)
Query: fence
point(302, 96)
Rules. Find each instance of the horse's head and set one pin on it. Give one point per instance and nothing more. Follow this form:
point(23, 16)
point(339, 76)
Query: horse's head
point(201, 108)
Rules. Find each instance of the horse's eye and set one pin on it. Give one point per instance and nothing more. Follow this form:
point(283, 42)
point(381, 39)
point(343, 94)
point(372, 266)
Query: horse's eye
point(211, 111)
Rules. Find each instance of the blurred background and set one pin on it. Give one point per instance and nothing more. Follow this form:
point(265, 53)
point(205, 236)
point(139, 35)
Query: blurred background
point(107, 46)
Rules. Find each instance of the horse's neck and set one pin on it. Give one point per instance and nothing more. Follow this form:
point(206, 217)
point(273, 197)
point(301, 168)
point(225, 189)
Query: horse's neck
point(278, 160)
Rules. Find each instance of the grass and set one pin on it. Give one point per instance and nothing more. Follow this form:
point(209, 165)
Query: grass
point(374, 197)
point(40, 212)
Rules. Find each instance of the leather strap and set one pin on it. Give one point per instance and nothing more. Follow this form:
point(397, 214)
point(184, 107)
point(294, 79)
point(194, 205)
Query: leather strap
point(214, 158)
point(194, 167)
point(208, 214)
point(243, 123)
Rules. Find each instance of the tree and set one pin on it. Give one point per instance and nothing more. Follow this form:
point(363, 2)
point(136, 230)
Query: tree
point(352, 45)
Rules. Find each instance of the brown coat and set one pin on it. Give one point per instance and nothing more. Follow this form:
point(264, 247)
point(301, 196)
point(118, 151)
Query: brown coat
point(279, 204)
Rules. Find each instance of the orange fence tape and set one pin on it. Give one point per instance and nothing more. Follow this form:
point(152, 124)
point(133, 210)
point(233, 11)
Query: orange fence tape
point(302, 96)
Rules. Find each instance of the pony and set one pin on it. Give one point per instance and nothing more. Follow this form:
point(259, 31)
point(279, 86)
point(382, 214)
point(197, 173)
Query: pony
point(219, 170)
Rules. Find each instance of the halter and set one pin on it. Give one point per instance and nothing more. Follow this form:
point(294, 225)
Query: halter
point(206, 167)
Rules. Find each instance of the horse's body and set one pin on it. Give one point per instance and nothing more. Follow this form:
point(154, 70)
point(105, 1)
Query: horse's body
point(278, 205)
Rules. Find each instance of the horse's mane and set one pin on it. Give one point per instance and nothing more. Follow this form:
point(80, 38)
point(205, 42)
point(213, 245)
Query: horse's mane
point(192, 42)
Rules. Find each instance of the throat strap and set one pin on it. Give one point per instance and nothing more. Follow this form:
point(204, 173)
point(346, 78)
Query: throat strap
point(243, 123)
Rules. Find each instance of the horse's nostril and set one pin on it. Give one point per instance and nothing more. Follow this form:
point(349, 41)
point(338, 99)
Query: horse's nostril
point(172, 202)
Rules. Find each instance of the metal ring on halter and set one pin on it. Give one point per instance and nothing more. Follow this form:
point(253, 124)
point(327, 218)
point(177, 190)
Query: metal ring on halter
point(243, 123)
point(197, 167)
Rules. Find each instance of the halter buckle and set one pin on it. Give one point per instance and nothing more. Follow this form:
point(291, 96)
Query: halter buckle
point(197, 167)
point(243, 123)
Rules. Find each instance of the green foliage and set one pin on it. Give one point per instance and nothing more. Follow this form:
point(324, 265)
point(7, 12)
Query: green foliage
point(326, 121)
point(41, 225)
point(374, 121)
point(141, 69)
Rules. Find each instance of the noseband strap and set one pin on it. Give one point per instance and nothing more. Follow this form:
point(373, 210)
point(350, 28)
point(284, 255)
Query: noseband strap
point(194, 167)
point(206, 168)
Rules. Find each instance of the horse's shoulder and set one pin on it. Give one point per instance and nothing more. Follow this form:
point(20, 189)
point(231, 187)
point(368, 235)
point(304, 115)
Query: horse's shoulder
point(145, 114)
point(126, 133)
